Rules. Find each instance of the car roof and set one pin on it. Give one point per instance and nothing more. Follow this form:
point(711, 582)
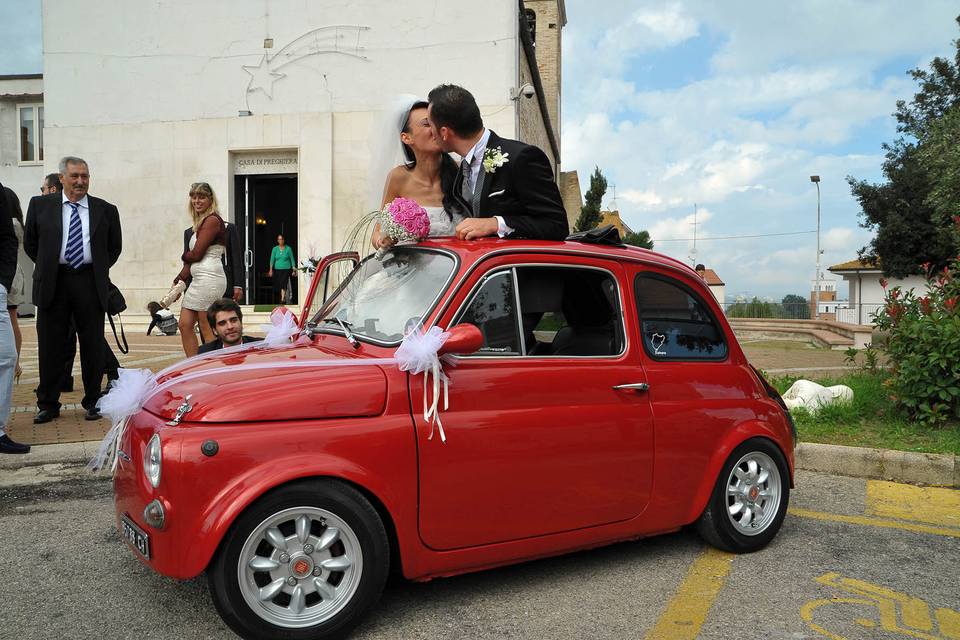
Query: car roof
point(472, 251)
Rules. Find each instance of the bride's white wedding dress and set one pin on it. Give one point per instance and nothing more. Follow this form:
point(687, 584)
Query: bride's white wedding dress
point(440, 223)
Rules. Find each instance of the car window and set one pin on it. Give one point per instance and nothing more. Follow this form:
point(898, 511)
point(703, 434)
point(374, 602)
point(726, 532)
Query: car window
point(562, 311)
point(675, 323)
point(384, 297)
point(493, 310)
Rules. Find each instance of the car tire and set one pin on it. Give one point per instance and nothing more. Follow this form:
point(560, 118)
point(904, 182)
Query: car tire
point(749, 499)
point(304, 562)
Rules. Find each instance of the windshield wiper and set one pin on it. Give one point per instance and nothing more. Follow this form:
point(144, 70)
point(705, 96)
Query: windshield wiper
point(346, 331)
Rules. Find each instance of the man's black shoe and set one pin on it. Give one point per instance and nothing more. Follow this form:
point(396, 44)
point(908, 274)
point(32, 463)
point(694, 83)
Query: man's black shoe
point(92, 414)
point(46, 415)
point(9, 446)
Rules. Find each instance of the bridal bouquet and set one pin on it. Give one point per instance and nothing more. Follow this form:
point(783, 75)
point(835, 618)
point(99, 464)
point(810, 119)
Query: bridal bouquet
point(403, 219)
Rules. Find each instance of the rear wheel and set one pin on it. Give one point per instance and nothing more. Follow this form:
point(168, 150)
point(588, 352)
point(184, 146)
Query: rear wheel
point(749, 500)
point(305, 562)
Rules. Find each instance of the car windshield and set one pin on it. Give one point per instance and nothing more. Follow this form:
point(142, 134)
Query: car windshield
point(382, 299)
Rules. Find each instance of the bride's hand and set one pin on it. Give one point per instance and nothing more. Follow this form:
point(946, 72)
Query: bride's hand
point(385, 242)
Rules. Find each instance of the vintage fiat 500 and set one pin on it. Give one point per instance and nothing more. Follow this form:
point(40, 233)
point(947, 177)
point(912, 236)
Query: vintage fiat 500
point(589, 394)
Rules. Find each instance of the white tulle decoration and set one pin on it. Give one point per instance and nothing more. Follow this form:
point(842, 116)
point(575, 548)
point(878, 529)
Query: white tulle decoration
point(418, 354)
point(125, 398)
point(283, 327)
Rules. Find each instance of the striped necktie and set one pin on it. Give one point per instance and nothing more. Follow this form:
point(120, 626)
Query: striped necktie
point(465, 189)
point(74, 253)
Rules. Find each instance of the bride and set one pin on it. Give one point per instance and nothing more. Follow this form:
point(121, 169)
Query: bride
point(426, 174)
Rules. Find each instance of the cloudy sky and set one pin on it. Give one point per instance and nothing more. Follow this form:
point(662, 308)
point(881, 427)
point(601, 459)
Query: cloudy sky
point(732, 106)
point(727, 105)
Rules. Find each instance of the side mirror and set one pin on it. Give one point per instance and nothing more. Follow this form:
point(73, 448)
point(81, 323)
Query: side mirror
point(464, 338)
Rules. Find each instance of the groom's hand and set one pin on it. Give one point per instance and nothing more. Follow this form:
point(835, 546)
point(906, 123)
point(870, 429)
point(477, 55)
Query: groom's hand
point(473, 228)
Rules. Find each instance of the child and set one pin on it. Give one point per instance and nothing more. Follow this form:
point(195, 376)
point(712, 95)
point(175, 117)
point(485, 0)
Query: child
point(163, 319)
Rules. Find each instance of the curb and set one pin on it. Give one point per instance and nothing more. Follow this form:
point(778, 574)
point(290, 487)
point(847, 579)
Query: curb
point(931, 469)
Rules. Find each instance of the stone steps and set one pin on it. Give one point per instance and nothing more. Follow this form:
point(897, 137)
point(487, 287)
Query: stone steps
point(823, 333)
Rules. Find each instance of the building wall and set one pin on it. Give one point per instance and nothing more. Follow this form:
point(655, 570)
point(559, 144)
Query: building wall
point(572, 197)
point(153, 104)
point(532, 128)
point(25, 178)
point(548, 45)
point(719, 292)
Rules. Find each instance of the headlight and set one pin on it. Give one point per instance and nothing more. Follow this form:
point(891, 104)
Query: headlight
point(152, 460)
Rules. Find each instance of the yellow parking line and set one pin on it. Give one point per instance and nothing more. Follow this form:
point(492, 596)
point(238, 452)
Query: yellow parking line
point(876, 522)
point(933, 505)
point(688, 609)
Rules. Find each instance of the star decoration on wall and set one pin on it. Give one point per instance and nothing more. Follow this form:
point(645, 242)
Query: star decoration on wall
point(262, 77)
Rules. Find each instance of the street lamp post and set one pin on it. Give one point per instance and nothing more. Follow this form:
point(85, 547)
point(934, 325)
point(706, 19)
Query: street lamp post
point(816, 278)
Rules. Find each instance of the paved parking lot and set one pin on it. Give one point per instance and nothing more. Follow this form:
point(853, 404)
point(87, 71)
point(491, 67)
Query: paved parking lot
point(855, 559)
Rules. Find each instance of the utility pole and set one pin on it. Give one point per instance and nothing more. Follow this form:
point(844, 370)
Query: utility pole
point(816, 281)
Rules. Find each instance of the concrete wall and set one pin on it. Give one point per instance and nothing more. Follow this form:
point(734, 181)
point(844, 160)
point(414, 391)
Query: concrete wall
point(152, 103)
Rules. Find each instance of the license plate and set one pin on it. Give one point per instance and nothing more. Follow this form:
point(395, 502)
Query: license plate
point(135, 536)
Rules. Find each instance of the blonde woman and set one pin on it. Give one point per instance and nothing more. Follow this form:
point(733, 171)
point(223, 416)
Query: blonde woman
point(202, 266)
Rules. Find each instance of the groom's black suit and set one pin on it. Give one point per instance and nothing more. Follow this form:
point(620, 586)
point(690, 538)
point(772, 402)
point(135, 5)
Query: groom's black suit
point(62, 293)
point(522, 191)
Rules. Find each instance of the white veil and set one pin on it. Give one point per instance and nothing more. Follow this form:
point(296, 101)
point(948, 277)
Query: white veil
point(386, 150)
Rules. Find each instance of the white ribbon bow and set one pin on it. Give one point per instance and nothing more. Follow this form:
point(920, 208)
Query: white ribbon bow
point(418, 354)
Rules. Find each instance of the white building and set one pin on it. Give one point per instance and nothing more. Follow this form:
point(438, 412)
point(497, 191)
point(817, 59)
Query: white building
point(270, 101)
point(866, 292)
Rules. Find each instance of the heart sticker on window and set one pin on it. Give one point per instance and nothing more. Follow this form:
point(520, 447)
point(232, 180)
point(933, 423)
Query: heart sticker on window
point(657, 341)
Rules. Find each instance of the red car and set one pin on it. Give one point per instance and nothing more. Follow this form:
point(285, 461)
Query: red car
point(596, 394)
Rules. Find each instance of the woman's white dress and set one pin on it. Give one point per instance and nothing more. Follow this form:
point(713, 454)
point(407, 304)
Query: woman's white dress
point(440, 223)
point(208, 281)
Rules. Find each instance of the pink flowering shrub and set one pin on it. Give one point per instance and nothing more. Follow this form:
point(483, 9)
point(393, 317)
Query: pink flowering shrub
point(923, 345)
point(404, 219)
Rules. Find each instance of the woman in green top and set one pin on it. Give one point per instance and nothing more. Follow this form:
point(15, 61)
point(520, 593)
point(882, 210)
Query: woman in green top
point(281, 266)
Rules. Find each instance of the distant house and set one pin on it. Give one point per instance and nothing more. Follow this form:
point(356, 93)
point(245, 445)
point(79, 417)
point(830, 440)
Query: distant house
point(866, 292)
point(572, 198)
point(613, 217)
point(716, 285)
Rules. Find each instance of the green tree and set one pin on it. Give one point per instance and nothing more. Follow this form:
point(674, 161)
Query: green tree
point(795, 306)
point(756, 308)
point(940, 156)
point(590, 212)
point(903, 210)
point(639, 239)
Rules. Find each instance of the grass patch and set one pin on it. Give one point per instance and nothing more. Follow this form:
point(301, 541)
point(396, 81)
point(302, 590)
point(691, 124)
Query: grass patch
point(263, 308)
point(870, 420)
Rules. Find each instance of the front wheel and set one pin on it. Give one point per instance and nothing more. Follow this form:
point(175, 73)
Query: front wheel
point(749, 500)
point(305, 562)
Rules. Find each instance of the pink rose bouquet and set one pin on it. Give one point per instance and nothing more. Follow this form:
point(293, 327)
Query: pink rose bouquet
point(403, 219)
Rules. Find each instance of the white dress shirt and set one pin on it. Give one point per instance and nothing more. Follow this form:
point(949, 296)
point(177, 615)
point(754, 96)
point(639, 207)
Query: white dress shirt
point(84, 211)
point(474, 158)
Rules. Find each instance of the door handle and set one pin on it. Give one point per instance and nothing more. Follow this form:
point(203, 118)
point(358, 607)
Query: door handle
point(637, 386)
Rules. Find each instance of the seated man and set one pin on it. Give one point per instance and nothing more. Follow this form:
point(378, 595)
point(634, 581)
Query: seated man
point(226, 319)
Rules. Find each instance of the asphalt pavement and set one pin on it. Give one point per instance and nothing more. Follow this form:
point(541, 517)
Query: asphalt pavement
point(856, 559)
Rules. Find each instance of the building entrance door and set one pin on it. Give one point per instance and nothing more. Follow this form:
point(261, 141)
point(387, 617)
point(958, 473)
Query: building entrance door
point(266, 208)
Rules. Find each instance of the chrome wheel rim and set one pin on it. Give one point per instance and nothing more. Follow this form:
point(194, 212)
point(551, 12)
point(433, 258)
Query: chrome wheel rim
point(300, 567)
point(754, 492)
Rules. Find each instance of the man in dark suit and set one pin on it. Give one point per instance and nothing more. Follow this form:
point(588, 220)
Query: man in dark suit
point(232, 260)
point(505, 188)
point(73, 239)
point(9, 246)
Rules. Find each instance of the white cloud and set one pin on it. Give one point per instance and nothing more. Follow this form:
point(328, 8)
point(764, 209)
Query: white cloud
point(648, 29)
point(789, 91)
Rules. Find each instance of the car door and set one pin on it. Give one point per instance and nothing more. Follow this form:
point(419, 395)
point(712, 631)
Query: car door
point(330, 272)
point(536, 443)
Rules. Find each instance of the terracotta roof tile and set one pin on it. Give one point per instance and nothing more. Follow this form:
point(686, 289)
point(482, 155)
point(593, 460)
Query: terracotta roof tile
point(854, 265)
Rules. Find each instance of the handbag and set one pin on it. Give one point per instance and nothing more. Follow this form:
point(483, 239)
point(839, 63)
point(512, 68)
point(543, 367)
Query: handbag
point(116, 304)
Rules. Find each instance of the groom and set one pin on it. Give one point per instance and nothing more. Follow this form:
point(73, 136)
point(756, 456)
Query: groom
point(505, 187)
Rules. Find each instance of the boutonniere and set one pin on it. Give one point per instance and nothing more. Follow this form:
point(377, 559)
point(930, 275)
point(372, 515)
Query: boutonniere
point(493, 159)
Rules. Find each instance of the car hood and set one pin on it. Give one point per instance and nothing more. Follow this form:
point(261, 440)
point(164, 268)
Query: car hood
point(226, 389)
